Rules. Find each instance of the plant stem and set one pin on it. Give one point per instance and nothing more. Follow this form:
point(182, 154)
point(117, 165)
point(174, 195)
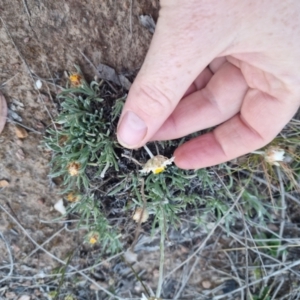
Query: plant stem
point(104, 170)
point(148, 151)
point(162, 257)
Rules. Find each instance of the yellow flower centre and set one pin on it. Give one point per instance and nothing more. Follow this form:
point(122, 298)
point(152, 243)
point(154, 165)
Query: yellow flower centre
point(72, 197)
point(73, 168)
point(158, 170)
point(93, 240)
point(75, 79)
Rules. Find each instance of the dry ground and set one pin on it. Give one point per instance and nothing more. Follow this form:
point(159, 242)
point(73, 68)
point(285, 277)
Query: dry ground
point(42, 39)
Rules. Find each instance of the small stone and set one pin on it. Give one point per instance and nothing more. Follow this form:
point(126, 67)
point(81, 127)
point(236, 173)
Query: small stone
point(20, 154)
point(4, 183)
point(130, 256)
point(43, 98)
point(10, 295)
point(24, 297)
point(140, 215)
point(21, 133)
point(19, 143)
point(94, 287)
point(155, 273)
point(59, 206)
point(41, 201)
point(38, 84)
point(39, 125)
point(26, 40)
point(184, 250)
point(206, 284)
point(15, 248)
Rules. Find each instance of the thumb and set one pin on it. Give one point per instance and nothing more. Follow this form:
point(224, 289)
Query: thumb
point(184, 43)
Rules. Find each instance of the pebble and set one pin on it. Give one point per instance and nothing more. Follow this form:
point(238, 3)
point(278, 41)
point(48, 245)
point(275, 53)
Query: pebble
point(20, 154)
point(10, 295)
point(21, 133)
point(206, 284)
point(24, 297)
point(4, 183)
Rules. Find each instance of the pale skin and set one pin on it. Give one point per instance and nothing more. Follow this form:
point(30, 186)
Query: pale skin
point(231, 63)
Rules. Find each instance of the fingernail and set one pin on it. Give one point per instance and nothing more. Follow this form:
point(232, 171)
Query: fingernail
point(132, 130)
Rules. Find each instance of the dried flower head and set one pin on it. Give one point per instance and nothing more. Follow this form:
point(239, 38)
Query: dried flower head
point(73, 168)
point(273, 155)
point(140, 214)
point(73, 197)
point(157, 164)
point(75, 79)
point(62, 139)
point(93, 237)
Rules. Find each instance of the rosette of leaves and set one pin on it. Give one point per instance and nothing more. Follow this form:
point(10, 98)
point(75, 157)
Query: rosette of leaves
point(81, 135)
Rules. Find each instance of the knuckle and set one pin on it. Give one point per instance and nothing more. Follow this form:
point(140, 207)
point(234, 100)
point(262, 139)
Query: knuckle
point(153, 101)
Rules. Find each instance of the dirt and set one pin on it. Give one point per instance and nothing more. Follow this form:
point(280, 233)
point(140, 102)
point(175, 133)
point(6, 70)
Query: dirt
point(42, 39)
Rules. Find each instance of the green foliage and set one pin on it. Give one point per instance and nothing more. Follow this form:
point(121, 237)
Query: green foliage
point(253, 206)
point(273, 246)
point(83, 135)
point(264, 295)
point(167, 194)
point(92, 218)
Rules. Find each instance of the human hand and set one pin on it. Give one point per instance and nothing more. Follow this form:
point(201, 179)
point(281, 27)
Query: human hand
point(234, 63)
point(3, 112)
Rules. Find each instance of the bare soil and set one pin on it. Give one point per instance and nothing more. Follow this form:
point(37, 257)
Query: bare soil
point(45, 38)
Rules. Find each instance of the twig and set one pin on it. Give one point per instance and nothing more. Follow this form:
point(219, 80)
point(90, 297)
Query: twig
point(13, 42)
point(8, 80)
point(46, 242)
point(22, 125)
point(148, 151)
point(138, 229)
point(283, 204)
point(133, 159)
point(246, 250)
point(97, 265)
point(47, 65)
point(187, 278)
point(245, 236)
point(130, 17)
point(96, 70)
point(256, 247)
point(278, 272)
point(61, 281)
point(28, 69)
point(56, 258)
point(162, 256)
point(272, 186)
point(48, 90)
point(280, 263)
point(209, 235)
point(26, 8)
point(11, 265)
point(277, 290)
point(236, 274)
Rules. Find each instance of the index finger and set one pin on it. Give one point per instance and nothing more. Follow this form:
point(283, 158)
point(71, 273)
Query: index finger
point(260, 120)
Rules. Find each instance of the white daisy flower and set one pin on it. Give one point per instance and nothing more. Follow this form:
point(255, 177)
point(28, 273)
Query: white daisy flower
point(273, 155)
point(157, 164)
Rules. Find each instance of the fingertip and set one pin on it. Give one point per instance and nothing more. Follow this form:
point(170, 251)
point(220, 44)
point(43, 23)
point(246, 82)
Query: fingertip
point(203, 151)
point(131, 130)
